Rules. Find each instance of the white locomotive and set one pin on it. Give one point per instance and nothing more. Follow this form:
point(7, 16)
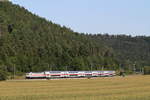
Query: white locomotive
point(69, 74)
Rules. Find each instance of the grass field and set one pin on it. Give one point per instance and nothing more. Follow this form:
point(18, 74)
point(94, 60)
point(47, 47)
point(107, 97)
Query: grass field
point(114, 88)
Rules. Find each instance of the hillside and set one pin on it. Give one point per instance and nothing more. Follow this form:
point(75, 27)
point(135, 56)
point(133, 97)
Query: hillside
point(31, 43)
point(130, 51)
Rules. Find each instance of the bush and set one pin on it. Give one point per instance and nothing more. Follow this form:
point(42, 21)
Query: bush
point(146, 70)
point(3, 75)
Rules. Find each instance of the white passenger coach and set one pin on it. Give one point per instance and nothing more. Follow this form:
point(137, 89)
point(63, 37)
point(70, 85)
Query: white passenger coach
point(69, 74)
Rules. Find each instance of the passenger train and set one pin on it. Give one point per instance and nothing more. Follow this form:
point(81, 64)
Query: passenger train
point(68, 74)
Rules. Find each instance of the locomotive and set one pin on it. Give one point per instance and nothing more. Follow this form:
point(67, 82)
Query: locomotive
point(68, 74)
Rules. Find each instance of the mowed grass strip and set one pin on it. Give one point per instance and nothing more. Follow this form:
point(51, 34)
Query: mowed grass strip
point(112, 88)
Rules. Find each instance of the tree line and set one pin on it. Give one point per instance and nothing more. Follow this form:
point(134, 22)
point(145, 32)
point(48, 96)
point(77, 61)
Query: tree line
point(31, 43)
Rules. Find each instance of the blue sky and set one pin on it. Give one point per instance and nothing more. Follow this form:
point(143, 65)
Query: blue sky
point(95, 16)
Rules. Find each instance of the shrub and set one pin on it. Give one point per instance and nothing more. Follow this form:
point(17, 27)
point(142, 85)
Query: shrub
point(3, 75)
point(146, 70)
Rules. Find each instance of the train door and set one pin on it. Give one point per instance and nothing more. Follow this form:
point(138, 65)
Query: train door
point(106, 73)
point(94, 74)
point(81, 74)
point(47, 74)
point(64, 74)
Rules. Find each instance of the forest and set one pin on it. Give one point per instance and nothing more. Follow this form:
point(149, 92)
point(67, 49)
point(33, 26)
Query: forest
point(30, 43)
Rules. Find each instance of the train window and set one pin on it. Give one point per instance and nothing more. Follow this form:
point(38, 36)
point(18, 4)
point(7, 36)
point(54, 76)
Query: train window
point(73, 75)
point(55, 75)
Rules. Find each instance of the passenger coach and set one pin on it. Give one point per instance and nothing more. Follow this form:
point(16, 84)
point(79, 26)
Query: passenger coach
point(68, 74)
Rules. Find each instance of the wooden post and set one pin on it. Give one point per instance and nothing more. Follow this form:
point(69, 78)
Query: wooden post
point(14, 71)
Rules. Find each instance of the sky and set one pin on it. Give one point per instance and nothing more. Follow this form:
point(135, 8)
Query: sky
point(131, 17)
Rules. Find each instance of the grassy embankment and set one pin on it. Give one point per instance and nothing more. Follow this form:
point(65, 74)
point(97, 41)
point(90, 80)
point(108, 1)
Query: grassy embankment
point(115, 88)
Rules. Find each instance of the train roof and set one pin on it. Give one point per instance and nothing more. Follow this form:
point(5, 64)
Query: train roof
point(76, 71)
